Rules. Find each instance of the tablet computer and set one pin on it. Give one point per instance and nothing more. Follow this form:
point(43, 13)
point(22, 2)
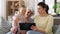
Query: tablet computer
point(26, 26)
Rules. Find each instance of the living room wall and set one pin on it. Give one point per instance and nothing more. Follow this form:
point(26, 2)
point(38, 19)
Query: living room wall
point(3, 8)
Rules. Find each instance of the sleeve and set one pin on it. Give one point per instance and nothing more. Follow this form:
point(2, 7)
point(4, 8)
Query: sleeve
point(36, 21)
point(14, 22)
point(49, 25)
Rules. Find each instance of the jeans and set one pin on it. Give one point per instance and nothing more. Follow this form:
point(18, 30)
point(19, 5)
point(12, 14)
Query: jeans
point(33, 32)
point(9, 33)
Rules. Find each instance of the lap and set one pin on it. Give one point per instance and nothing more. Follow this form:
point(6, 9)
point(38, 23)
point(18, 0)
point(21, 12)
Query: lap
point(9, 33)
point(33, 32)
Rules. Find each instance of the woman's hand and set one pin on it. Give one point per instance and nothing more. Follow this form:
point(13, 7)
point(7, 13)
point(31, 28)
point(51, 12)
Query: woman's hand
point(36, 29)
point(33, 27)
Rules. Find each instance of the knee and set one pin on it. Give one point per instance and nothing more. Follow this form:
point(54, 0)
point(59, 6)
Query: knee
point(29, 32)
point(9, 33)
point(33, 32)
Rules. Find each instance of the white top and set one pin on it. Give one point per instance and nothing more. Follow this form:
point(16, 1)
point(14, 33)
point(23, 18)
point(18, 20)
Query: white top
point(44, 23)
point(20, 17)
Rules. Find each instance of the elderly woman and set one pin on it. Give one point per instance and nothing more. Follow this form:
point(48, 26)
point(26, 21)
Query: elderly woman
point(43, 21)
point(28, 19)
point(29, 14)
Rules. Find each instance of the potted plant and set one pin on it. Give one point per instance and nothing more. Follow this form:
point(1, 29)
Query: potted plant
point(57, 6)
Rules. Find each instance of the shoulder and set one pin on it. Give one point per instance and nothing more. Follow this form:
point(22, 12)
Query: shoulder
point(15, 16)
point(36, 16)
point(50, 16)
point(31, 20)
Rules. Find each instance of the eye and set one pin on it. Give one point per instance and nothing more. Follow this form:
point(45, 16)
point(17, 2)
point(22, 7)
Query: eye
point(28, 12)
point(31, 13)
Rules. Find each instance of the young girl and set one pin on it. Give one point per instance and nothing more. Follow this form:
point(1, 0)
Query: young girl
point(19, 18)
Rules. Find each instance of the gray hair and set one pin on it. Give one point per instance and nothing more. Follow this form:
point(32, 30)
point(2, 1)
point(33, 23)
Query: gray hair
point(31, 10)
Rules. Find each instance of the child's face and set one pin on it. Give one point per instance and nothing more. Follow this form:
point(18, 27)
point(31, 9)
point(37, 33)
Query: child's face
point(23, 10)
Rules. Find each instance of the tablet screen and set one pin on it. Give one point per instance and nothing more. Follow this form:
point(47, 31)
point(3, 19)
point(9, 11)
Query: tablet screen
point(26, 26)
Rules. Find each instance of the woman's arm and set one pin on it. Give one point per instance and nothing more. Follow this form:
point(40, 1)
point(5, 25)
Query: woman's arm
point(49, 25)
point(36, 29)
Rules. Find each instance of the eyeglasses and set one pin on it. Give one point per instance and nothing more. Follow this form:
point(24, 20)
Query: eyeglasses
point(30, 12)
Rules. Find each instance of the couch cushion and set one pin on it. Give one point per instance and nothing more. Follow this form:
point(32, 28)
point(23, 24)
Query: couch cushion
point(55, 28)
point(5, 26)
point(58, 30)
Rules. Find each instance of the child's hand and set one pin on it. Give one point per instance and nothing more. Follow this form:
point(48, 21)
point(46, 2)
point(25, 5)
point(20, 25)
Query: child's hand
point(22, 31)
point(13, 29)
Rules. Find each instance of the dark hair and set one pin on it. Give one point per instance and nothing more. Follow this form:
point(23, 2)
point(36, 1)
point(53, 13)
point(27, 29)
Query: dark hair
point(44, 6)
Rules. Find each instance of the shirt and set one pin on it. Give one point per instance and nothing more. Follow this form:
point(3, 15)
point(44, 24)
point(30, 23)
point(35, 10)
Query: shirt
point(31, 20)
point(44, 23)
point(20, 17)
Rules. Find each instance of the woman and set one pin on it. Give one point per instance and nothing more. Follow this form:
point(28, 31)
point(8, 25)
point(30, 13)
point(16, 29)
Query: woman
point(43, 21)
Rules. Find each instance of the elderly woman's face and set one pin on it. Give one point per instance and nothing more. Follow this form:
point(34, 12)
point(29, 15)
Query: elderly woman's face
point(29, 13)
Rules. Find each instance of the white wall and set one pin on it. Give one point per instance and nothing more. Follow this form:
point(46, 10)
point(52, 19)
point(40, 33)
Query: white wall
point(36, 2)
point(32, 4)
point(50, 4)
point(3, 8)
point(58, 0)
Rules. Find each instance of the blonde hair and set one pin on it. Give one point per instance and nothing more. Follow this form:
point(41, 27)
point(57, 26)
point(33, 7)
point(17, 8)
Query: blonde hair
point(20, 9)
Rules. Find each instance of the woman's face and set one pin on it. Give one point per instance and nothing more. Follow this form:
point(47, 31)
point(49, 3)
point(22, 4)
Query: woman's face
point(29, 13)
point(40, 9)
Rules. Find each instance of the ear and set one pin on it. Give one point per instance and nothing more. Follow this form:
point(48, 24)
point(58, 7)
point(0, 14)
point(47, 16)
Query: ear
point(45, 9)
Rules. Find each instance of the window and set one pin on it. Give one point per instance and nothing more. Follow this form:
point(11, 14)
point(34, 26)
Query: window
point(36, 2)
point(54, 6)
point(50, 3)
point(58, 7)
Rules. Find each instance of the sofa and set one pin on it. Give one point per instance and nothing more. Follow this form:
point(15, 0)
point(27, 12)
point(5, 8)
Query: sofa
point(56, 27)
point(6, 25)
